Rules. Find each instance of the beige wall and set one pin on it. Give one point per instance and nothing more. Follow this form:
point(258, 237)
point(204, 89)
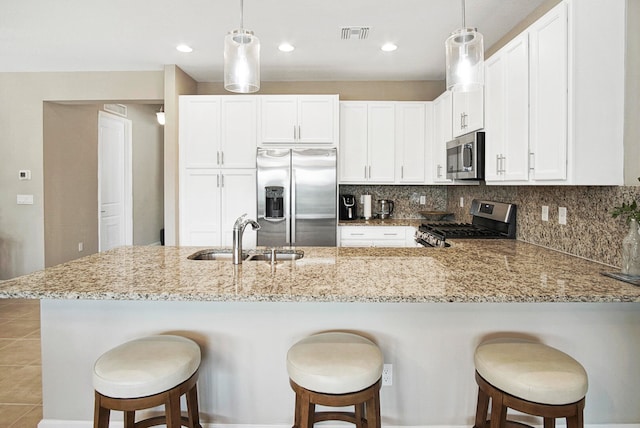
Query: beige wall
point(70, 181)
point(177, 83)
point(21, 145)
point(632, 91)
point(426, 90)
point(71, 178)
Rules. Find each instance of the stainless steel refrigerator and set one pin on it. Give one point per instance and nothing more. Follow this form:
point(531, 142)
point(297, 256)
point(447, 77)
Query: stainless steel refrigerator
point(297, 197)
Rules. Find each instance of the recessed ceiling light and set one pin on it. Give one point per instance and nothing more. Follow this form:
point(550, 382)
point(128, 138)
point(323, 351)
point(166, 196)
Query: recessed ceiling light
point(389, 47)
point(286, 47)
point(184, 48)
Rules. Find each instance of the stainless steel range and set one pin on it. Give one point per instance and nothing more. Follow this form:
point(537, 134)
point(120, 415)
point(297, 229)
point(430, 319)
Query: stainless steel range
point(490, 220)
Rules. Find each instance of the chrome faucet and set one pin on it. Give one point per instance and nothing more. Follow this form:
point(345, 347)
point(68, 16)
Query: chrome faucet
point(238, 230)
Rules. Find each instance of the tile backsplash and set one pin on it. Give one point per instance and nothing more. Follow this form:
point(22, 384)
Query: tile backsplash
point(406, 199)
point(590, 231)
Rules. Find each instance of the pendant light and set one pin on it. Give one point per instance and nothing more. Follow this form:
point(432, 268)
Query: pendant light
point(241, 59)
point(464, 58)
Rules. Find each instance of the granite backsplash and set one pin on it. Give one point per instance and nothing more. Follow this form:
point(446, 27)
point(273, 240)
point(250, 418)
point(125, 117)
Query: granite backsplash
point(590, 231)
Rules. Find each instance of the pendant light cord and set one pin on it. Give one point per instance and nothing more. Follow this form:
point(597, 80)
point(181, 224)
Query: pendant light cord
point(464, 25)
point(242, 14)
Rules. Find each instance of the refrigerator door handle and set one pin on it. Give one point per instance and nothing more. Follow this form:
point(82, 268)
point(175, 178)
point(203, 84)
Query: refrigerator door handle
point(292, 239)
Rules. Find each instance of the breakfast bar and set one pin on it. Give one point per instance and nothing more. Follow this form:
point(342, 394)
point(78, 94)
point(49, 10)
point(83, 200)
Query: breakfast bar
point(427, 309)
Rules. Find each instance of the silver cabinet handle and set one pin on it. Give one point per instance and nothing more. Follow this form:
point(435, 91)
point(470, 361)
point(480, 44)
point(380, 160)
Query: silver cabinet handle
point(369, 172)
point(221, 180)
point(217, 180)
point(365, 172)
point(402, 171)
point(217, 158)
point(497, 164)
point(438, 169)
point(299, 133)
point(221, 158)
point(532, 158)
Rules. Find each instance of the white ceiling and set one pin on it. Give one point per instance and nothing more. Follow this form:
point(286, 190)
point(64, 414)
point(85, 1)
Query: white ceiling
point(91, 35)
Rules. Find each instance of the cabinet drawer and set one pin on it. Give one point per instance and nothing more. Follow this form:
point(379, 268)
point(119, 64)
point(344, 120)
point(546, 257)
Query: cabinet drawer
point(372, 232)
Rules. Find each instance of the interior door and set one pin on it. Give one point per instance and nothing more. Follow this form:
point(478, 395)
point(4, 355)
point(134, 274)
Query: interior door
point(115, 196)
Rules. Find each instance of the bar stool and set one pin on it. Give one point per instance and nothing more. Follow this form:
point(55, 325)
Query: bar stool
point(336, 370)
point(531, 378)
point(145, 373)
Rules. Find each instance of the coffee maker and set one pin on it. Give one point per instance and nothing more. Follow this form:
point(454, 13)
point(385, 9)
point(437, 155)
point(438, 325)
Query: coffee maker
point(348, 207)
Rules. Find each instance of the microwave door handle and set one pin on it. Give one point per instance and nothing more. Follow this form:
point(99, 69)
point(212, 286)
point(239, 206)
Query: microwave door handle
point(467, 157)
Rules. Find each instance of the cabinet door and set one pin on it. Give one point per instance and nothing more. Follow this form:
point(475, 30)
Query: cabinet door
point(279, 119)
point(410, 142)
point(316, 119)
point(442, 133)
point(199, 135)
point(200, 207)
point(515, 164)
point(239, 132)
point(468, 111)
point(353, 142)
point(494, 81)
point(238, 196)
point(381, 132)
point(548, 91)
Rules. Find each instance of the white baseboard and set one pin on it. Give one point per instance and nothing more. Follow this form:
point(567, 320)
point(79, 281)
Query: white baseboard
point(49, 423)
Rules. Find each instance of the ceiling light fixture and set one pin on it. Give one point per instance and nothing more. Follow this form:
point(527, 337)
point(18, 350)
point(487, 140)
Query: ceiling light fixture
point(464, 58)
point(389, 47)
point(241, 59)
point(184, 48)
point(286, 47)
point(160, 116)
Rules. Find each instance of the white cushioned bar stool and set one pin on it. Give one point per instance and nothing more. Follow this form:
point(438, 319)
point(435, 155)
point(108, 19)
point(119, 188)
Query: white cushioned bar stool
point(336, 370)
point(145, 373)
point(531, 378)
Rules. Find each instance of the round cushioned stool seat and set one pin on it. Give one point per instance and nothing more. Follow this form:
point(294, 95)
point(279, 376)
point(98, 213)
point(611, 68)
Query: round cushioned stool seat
point(146, 366)
point(532, 372)
point(334, 363)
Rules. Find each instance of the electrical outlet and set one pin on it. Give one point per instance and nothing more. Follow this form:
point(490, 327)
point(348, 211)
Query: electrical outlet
point(545, 213)
point(423, 200)
point(80, 247)
point(562, 215)
point(387, 375)
point(461, 201)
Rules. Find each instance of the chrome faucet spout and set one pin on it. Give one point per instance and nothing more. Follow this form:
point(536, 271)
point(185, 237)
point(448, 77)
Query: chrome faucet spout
point(238, 230)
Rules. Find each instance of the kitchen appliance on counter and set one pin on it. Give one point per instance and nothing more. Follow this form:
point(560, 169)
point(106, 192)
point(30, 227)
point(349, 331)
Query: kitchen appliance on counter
point(296, 197)
point(348, 207)
point(465, 157)
point(385, 208)
point(490, 220)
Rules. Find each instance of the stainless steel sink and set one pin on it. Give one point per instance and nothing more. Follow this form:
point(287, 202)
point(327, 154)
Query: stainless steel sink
point(224, 254)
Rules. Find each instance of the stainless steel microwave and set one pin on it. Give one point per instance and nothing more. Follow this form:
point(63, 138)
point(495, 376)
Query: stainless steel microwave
point(465, 157)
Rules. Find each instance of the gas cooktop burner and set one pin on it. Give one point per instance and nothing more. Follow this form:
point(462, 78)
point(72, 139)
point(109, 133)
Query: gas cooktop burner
point(490, 220)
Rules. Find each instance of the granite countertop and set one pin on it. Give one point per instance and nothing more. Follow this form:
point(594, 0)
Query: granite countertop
point(414, 222)
point(468, 271)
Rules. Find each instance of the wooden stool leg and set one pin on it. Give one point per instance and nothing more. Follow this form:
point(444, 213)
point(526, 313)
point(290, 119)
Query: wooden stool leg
point(172, 410)
point(360, 415)
point(498, 412)
point(577, 421)
point(192, 408)
point(550, 422)
point(100, 414)
point(305, 410)
point(129, 419)
point(482, 409)
point(373, 412)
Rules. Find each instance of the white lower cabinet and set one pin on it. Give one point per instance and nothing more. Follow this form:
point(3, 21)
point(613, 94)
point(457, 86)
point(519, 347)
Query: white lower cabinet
point(210, 202)
point(376, 236)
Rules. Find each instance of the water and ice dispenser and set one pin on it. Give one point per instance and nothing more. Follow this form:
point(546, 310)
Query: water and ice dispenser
point(274, 202)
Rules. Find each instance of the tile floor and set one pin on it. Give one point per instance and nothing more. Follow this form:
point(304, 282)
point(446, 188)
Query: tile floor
point(20, 366)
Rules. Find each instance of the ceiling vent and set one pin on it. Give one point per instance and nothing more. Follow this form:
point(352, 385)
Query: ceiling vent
point(349, 33)
point(119, 109)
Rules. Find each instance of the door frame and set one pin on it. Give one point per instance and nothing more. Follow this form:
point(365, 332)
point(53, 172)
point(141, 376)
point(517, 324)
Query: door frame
point(128, 178)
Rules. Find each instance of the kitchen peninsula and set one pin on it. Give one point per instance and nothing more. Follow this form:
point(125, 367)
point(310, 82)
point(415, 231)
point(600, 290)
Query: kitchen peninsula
point(426, 308)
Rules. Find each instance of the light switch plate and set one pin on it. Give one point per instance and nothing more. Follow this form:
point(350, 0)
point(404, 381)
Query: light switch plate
point(545, 213)
point(562, 215)
point(25, 199)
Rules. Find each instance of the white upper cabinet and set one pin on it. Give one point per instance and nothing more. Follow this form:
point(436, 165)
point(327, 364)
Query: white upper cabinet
point(442, 132)
point(412, 141)
point(304, 119)
point(548, 91)
point(218, 131)
point(507, 113)
point(575, 99)
point(367, 142)
point(468, 111)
